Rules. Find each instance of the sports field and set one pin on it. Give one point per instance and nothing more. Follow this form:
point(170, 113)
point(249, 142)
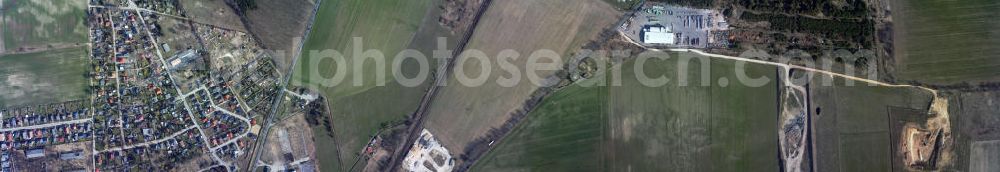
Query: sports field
point(634, 127)
point(852, 127)
point(459, 113)
point(358, 111)
point(45, 77)
point(947, 42)
point(38, 24)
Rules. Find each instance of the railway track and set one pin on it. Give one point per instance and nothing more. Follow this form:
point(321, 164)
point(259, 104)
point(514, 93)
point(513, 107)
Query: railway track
point(413, 133)
point(270, 121)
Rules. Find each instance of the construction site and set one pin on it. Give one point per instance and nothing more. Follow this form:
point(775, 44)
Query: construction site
point(428, 155)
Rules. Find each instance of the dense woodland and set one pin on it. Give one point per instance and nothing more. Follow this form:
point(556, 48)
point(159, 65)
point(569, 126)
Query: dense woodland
point(847, 9)
point(828, 8)
point(857, 31)
point(689, 3)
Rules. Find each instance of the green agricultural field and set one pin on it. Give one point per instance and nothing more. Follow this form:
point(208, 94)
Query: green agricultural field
point(947, 42)
point(38, 24)
point(695, 128)
point(640, 128)
point(44, 77)
point(565, 133)
point(699, 128)
point(383, 25)
point(852, 129)
point(326, 152)
point(461, 113)
point(359, 111)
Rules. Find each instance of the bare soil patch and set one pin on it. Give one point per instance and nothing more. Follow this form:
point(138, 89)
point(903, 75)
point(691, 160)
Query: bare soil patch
point(280, 25)
point(291, 141)
point(53, 161)
point(215, 13)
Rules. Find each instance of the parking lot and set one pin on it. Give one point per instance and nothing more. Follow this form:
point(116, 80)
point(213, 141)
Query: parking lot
point(685, 27)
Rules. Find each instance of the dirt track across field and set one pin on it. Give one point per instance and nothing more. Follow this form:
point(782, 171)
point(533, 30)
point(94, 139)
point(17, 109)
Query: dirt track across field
point(939, 104)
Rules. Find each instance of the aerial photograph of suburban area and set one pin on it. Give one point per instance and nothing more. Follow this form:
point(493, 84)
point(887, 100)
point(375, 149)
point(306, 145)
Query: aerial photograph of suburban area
point(499, 85)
